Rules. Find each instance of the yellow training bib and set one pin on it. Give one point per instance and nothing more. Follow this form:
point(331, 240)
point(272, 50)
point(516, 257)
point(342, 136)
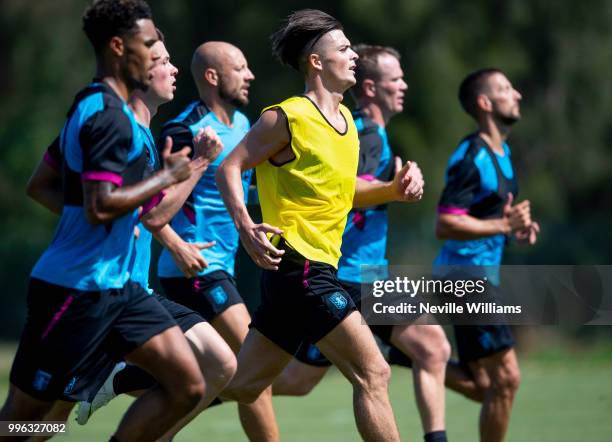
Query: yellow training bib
point(309, 197)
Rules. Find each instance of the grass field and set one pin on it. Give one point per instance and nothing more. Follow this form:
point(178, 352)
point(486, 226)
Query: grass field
point(564, 397)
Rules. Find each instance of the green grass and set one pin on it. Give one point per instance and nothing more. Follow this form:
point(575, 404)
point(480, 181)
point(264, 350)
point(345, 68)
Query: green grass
point(561, 399)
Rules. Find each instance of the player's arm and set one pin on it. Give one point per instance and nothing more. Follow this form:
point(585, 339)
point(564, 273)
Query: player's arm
point(515, 220)
point(107, 139)
point(463, 226)
point(45, 184)
point(406, 186)
point(454, 220)
point(268, 137)
point(186, 255)
point(207, 147)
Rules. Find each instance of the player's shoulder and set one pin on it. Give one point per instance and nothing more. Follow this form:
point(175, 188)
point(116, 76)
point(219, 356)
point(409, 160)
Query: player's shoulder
point(468, 149)
point(95, 98)
point(241, 120)
point(296, 104)
point(193, 114)
point(364, 124)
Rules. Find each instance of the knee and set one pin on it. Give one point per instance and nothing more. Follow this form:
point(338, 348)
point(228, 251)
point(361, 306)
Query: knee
point(190, 395)
point(433, 353)
point(375, 377)
point(247, 393)
point(221, 372)
point(291, 386)
point(506, 382)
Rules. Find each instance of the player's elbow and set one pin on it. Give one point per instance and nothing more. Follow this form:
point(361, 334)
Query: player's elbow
point(221, 174)
point(32, 190)
point(96, 214)
point(443, 228)
point(441, 232)
point(154, 223)
point(96, 217)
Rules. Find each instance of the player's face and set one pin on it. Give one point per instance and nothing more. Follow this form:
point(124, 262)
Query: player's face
point(138, 54)
point(338, 58)
point(235, 79)
point(505, 99)
point(163, 75)
point(391, 87)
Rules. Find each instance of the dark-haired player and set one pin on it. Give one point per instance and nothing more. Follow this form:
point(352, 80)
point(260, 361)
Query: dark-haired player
point(305, 150)
point(379, 94)
point(80, 301)
point(214, 356)
point(475, 217)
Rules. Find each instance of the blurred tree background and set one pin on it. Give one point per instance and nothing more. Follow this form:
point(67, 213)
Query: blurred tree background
point(556, 53)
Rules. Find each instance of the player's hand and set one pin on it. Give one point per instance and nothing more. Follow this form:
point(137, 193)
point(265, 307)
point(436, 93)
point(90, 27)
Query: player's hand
point(519, 216)
point(259, 248)
point(178, 164)
point(207, 144)
point(528, 236)
point(408, 181)
point(188, 258)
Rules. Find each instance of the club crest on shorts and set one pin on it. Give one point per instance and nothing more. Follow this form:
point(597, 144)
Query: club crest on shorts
point(218, 295)
point(41, 380)
point(70, 386)
point(338, 300)
point(313, 352)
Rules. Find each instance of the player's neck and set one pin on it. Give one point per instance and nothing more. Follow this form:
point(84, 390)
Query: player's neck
point(109, 73)
point(327, 101)
point(223, 110)
point(374, 112)
point(144, 112)
point(493, 135)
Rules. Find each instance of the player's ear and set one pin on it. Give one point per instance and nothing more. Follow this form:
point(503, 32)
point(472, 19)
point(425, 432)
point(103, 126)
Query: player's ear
point(116, 46)
point(484, 103)
point(368, 88)
point(212, 76)
point(314, 60)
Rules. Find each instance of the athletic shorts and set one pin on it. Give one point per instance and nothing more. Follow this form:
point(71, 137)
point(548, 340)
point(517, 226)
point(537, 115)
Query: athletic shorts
point(209, 295)
point(184, 317)
point(301, 301)
point(71, 336)
point(308, 353)
point(479, 341)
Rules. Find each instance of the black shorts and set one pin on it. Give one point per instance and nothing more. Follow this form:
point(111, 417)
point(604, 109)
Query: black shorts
point(308, 353)
point(184, 317)
point(301, 301)
point(479, 341)
point(72, 336)
point(209, 295)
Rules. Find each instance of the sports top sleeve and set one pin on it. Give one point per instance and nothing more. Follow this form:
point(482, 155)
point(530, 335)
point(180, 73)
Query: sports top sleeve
point(181, 136)
point(370, 146)
point(106, 139)
point(462, 184)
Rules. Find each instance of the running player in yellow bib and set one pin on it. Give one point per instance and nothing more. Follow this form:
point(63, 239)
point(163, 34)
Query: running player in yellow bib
point(305, 151)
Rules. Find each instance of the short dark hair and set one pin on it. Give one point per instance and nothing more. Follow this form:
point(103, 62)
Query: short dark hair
point(104, 19)
point(299, 33)
point(472, 86)
point(367, 64)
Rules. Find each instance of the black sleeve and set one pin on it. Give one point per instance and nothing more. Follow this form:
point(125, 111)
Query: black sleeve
point(53, 155)
point(106, 140)
point(181, 136)
point(462, 183)
point(370, 148)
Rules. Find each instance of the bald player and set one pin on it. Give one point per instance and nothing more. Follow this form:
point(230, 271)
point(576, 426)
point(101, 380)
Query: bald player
point(222, 77)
